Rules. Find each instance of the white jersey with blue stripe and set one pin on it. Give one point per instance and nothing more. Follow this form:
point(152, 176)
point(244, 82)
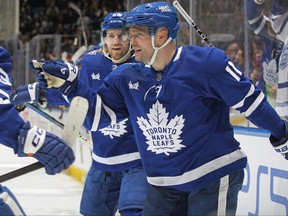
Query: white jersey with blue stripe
point(180, 116)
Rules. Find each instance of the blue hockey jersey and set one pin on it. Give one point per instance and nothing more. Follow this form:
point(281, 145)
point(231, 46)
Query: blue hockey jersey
point(180, 116)
point(114, 147)
point(10, 121)
point(275, 63)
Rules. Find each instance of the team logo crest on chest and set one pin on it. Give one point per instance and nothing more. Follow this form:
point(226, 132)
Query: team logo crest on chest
point(162, 136)
point(115, 130)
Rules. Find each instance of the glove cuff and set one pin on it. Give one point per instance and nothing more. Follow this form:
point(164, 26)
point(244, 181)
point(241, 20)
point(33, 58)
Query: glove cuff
point(69, 87)
point(282, 148)
point(31, 140)
point(281, 145)
point(276, 141)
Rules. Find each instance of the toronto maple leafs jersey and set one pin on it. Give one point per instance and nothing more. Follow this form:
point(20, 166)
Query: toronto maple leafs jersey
point(180, 116)
point(275, 55)
point(55, 97)
point(260, 24)
point(282, 91)
point(10, 121)
point(280, 26)
point(272, 47)
point(279, 19)
point(114, 147)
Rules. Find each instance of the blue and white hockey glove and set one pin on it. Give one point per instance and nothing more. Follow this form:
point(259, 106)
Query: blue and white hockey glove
point(28, 93)
point(9, 205)
point(55, 74)
point(281, 145)
point(46, 147)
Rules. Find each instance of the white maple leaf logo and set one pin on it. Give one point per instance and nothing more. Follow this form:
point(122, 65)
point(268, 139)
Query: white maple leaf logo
point(115, 130)
point(95, 76)
point(270, 74)
point(162, 137)
point(133, 85)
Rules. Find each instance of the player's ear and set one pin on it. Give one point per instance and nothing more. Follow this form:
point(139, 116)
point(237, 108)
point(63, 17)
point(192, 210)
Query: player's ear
point(162, 34)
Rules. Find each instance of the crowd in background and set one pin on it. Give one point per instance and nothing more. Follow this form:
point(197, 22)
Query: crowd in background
point(56, 17)
point(215, 18)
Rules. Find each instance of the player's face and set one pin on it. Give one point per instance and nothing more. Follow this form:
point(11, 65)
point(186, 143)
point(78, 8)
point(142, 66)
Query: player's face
point(141, 43)
point(117, 43)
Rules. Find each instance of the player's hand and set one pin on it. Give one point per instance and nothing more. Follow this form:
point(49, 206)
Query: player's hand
point(8, 198)
point(55, 74)
point(281, 145)
point(46, 147)
point(28, 93)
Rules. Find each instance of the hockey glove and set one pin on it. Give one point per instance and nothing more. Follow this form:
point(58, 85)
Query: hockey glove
point(281, 145)
point(9, 205)
point(46, 147)
point(57, 74)
point(28, 93)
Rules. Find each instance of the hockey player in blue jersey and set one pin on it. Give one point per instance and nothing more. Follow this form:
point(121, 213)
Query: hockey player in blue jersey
point(25, 140)
point(275, 56)
point(116, 178)
point(260, 24)
point(116, 174)
point(178, 102)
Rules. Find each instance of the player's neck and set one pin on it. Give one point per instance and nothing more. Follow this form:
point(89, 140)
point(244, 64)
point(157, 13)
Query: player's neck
point(164, 57)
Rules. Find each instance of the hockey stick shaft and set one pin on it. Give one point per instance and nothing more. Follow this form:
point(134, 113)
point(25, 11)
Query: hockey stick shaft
point(191, 22)
point(68, 138)
point(45, 115)
point(21, 171)
point(78, 54)
point(53, 120)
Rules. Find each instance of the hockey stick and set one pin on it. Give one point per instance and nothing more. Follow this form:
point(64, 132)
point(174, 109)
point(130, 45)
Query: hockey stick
point(191, 22)
point(53, 120)
point(78, 53)
point(71, 130)
point(78, 11)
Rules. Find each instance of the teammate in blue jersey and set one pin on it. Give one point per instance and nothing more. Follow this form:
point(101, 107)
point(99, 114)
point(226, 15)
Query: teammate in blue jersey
point(116, 178)
point(260, 24)
point(178, 102)
point(273, 30)
point(116, 174)
point(25, 140)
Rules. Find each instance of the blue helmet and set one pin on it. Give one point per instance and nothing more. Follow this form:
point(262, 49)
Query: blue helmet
point(155, 15)
point(113, 20)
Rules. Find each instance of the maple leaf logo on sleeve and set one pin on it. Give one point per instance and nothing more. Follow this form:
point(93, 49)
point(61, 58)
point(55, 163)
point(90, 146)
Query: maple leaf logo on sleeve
point(162, 136)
